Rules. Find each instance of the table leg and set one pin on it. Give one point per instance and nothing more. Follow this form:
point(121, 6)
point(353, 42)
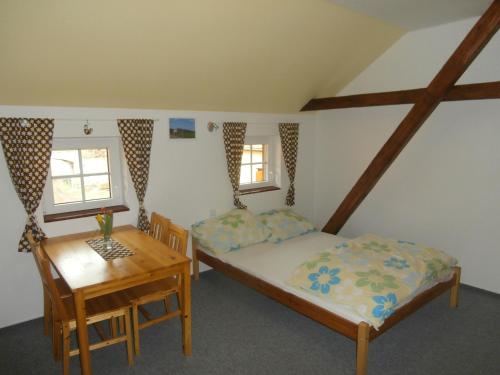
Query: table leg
point(82, 330)
point(186, 310)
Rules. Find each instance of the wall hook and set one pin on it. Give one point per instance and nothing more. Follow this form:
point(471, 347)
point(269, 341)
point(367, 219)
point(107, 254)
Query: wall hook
point(86, 129)
point(211, 126)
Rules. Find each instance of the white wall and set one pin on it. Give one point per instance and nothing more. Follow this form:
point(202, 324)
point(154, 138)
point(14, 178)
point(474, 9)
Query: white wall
point(187, 179)
point(444, 188)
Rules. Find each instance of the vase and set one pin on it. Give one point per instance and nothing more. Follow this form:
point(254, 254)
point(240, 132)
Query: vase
point(105, 220)
point(108, 244)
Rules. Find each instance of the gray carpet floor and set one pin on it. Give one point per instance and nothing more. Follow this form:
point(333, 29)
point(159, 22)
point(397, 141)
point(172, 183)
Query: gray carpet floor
point(239, 331)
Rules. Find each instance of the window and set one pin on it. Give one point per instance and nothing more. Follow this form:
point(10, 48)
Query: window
point(254, 164)
point(258, 163)
point(83, 174)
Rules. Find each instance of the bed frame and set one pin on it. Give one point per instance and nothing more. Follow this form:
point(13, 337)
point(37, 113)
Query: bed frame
point(362, 333)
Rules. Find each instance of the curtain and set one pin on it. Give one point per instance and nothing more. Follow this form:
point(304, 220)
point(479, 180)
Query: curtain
point(289, 134)
point(27, 150)
point(137, 135)
point(234, 140)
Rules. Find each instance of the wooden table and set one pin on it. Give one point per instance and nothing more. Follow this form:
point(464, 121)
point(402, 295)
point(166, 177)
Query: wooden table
point(88, 275)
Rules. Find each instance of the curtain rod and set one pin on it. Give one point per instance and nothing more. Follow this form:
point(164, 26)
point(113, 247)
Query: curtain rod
point(103, 120)
point(267, 122)
point(215, 125)
point(263, 122)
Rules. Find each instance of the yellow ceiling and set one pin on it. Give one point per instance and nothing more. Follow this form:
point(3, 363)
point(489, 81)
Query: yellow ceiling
point(224, 55)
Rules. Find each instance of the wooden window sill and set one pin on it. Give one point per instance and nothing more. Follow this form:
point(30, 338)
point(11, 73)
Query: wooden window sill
point(258, 190)
point(81, 213)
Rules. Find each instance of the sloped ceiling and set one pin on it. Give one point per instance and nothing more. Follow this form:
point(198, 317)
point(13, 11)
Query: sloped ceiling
point(225, 55)
point(418, 14)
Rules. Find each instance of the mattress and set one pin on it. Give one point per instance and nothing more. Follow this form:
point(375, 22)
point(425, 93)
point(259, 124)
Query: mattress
point(274, 263)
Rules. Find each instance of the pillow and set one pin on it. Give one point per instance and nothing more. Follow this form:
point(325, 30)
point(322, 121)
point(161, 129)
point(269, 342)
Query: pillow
point(230, 231)
point(285, 224)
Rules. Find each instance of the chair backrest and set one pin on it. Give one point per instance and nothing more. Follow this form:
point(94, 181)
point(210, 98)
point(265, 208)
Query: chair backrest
point(34, 246)
point(48, 282)
point(177, 238)
point(31, 240)
point(159, 227)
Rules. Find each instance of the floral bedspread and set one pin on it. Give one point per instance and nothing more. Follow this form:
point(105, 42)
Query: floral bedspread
point(372, 275)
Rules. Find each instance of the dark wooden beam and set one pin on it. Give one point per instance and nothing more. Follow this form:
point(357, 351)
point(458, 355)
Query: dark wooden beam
point(474, 91)
point(428, 100)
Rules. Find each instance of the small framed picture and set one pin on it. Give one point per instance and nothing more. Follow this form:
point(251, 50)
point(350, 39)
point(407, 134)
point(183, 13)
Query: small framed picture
point(182, 128)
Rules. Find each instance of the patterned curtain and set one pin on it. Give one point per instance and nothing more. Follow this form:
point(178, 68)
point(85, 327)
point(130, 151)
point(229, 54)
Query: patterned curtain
point(27, 150)
point(289, 134)
point(234, 140)
point(137, 136)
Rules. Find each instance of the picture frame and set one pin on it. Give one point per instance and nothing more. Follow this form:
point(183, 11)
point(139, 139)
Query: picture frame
point(182, 128)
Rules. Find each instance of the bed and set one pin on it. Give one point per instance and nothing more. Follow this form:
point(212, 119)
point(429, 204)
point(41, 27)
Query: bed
point(251, 266)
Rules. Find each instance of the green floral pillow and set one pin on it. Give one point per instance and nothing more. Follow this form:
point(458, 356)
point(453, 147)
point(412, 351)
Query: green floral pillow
point(285, 224)
point(230, 231)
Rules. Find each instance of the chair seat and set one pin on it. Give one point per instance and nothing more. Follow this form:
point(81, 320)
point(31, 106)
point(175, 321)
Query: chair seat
point(99, 305)
point(152, 291)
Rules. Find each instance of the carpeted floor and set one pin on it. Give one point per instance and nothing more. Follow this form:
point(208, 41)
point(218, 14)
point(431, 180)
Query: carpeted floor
point(238, 331)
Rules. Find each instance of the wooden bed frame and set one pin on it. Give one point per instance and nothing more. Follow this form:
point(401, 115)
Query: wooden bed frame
point(362, 333)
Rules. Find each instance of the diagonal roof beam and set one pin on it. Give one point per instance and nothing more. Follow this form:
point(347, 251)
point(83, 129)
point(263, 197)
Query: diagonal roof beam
point(456, 65)
point(473, 91)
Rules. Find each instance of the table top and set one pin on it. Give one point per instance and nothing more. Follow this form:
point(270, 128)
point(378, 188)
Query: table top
point(82, 267)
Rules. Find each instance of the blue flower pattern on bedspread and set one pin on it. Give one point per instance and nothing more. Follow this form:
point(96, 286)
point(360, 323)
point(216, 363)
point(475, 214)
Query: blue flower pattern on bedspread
point(371, 276)
point(343, 245)
point(396, 263)
point(325, 277)
point(385, 305)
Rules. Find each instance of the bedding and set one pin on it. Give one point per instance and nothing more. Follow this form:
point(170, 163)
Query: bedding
point(285, 224)
point(275, 263)
point(231, 231)
point(372, 275)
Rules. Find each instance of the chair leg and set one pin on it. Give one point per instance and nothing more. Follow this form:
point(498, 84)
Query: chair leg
point(135, 319)
point(121, 326)
point(66, 347)
point(179, 303)
point(128, 333)
point(168, 304)
point(56, 340)
point(98, 328)
point(112, 327)
point(47, 312)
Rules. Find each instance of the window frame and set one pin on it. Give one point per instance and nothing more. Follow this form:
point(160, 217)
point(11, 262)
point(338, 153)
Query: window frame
point(112, 144)
point(270, 141)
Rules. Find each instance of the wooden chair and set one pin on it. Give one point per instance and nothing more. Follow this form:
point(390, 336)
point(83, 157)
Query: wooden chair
point(175, 237)
point(64, 290)
point(98, 309)
point(159, 227)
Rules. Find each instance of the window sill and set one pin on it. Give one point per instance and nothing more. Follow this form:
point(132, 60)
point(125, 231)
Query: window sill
point(258, 190)
point(81, 213)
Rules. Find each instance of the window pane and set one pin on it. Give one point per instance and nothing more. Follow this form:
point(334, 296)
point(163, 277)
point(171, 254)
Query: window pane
point(246, 154)
point(97, 187)
point(67, 190)
point(258, 173)
point(257, 153)
point(64, 163)
point(245, 174)
point(95, 161)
